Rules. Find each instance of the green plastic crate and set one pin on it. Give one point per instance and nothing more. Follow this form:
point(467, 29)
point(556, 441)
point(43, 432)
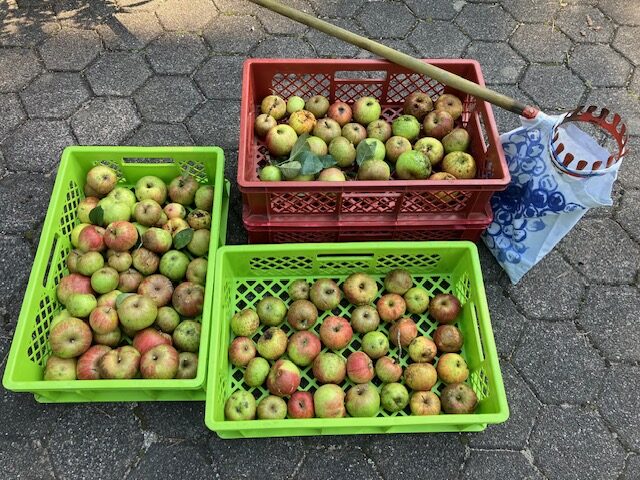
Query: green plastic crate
point(244, 274)
point(30, 348)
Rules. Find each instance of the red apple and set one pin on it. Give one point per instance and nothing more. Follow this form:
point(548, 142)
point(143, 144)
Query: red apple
point(300, 405)
point(120, 236)
point(148, 338)
point(91, 239)
point(437, 124)
point(335, 332)
point(444, 308)
point(391, 307)
point(360, 368)
point(283, 379)
point(403, 332)
point(73, 283)
point(303, 348)
point(87, 366)
point(340, 112)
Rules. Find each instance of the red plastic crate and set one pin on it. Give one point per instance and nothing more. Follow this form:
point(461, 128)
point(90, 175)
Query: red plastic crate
point(364, 201)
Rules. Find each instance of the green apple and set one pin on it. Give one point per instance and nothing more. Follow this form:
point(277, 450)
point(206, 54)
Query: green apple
point(137, 312)
point(354, 132)
point(413, 165)
point(374, 170)
point(240, 406)
point(395, 147)
point(173, 265)
point(280, 140)
point(317, 145)
point(256, 372)
point(363, 400)
point(318, 105)
point(89, 263)
point(270, 173)
point(327, 129)
point(379, 129)
point(274, 106)
point(379, 150)
point(123, 195)
point(406, 126)
point(295, 104)
point(105, 280)
point(199, 244)
point(366, 110)
point(394, 397)
point(204, 198)
point(114, 211)
point(456, 141)
point(264, 122)
point(80, 305)
point(432, 148)
point(343, 152)
point(332, 175)
point(75, 233)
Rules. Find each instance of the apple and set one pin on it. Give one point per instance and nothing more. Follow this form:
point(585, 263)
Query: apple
point(264, 122)
point(256, 372)
point(329, 367)
point(108, 299)
point(241, 351)
point(444, 196)
point(72, 260)
point(340, 112)
point(70, 337)
point(375, 344)
point(111, 339)
point(300, 405)
point(183, 189)
point(240, 406)
point(197, 271)
point(365, 319)
point(413, 165)
point(57, 369)
point(147, 212)
point(199, 219)
point(403, 332)
point(91, 239)
point(395, 147)
point(280, 140)
point(448, 339)
point(120, 363)
point(274, 106)
point(398, 281)
point(120, 236)
point(163, 219)
point(378, 148)
point(459, 164)
point(354, 132)
point(394, 397)
point(103, 319)
point(388, 370)
point(186, 336)
point(272, 408)
point(272, 343)
point(245, 323)
point(167, 319)
point(432, 148)
point(157, 240)
point(283, 378)
point(145, 261)
point(363, 400)
point(90, 192)
point(360, 289)
point(317, 146)
point(450, 104)
point(105, 280)
point(328, 401)
point(187, 365)
point(89, 263)
point(173, 265)
point(199, 244)
point(452, 368)
point(325, 294)
point(391, 307)
point(146, 339)
point(302, 121)
point(417, 300)
point(424, 403)
point(123, 195)
point(366, 110)
point(406, 126)
point(304, 178)
point(303, 348)
point(458, 398)
point(119, 261)
point(272, 311)
point(327, 129)
point(161, 362)
point(295, 104)
point(102, 179)
point(420, 376)
point(331, 175)
point(158, 288)
point(204, 198)
point(174, 226)
point(70, 284)
point(137, 312)
point(318, 105)
point(302, 315)
point(380, 129)
point(75, 233)
point(298, 290)
point(64, 313)
point(437, 124)
point(343, 151)
point(360, 367)
point(444, 308)
point(335, 332)
point(84, 208)
point(422, 349)
point(87, 366)
point(417, 104)
point(114, 211)
point(374, 170)
point(129, 280)
point(81, 304)
point(456, 141)
point(270, 173)
point(141, 228)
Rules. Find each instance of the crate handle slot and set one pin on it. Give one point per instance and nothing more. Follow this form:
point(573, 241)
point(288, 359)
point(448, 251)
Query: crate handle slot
point(359, 75)
point(52, 252)
point(336, 257)
point(476, 330)
point(148, 159)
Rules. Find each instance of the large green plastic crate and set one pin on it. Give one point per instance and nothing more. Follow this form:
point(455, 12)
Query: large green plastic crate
point(244, 274)
point(30, 347)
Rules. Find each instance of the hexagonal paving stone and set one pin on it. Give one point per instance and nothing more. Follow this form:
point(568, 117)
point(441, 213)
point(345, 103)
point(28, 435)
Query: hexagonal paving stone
point(345, 463)
point(486, 22)
point(181, 460)
point(217, 122)
point(375, 20)
point(583, 247)
point(331, 47)
point(559, 363)
point(17, 67)
point(629, 174)
point(623, 13)
point(233, 34)
point(571, 443)
point(528, 11)
point(500, 63)
point(540, 42)
point(627, 215)
point(24, 459)
point(505, 120)
point(26, 27)
point(221, 77)
point(572, 20)
point(174, 16)
point(523, 410)
point(491, 269)
point(611, 69)
point(336, 8)
point(238, 7)
point(627, 41)
point(16, 258)
point(70, 49)
point(283, 47)
point(118, 73)
point(55, 95)
point(276, 24)
point(154, 134)
point(621, 101)
point(438, 39)
point(493, 464)
point(176, 53)
point(105, 121)
point(129, 30)
point(632, 467)
point(167, 99)
point(83, 14)
point(551, 290)
point(567, 87)
point(507, 323)
point(174, 420)
point(439, 9)
point(11, 113)
point(36, 145)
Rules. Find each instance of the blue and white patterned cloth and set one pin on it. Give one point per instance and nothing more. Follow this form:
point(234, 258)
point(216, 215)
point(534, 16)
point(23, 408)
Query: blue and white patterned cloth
point(541, 204)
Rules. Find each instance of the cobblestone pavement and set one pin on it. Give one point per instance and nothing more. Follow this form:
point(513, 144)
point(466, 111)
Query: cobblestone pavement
point(147, 72)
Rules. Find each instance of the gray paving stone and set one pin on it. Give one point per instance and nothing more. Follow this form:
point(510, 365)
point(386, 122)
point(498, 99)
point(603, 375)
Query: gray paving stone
point(629, 173)
point(500, 63)
point(176, 53)
point(523, 410)
point(276, 24)
point(567, 87)
point(174, 17)
point(233, 34)
point(540, 42)
point(634, 84)
point(486, 22)
point(180, 460)
point(505, 120)
point(71, 49)
point(221, 77)
point(397, 43)
point(84, 440)
point(528, 11)
point(336, 8)
point(559, 363)
point(506, 321)
point(217, 122)
point(375, 20)
point(238, 7)
point(627, 41)
point(583, 248)
point(34, 421)
point(439, 9)
point(18, 66)
point(118, 73)
point(24, 459)
point(551, 290)
point(105, 121)
point(491, 269)
point(137, 5)
point(627, 215)
point(438, 39)
point(620, 404)
point(632, 467)
point(27, 27)
point(618, 100)
point(331, 47)
point(25, 197)
point(167, 99)
point(274, 46)
point(55, 95)
point(36, 145)
point(493, 464)
point(173, 420)
point(573, 21)
point(155, 134)
point(572, 443)
point(623, 13)
point(16, 257)
point(610, 69)
point(83, 14)
point(345, 463)
point(11, 112)
point(129, 30)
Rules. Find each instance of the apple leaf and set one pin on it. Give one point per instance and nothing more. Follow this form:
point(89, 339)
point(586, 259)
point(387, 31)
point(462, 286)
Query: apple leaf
point(364, 151)
point(311, 163)
point(182, 238)
point(121, 298)
point(96, 215)
point(327, 161)
point(300, 144)
point(290, 169)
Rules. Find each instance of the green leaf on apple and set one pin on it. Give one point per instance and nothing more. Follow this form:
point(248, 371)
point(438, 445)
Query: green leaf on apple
point(290, 169)
point(299, 146)
point(327, 161)
point(364, 151)
point(182, 238)
point(121, 298)
point(96, 215)
point(311, 163)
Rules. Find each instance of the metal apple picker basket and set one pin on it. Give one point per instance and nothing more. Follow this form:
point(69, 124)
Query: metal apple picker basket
point(557, 170)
